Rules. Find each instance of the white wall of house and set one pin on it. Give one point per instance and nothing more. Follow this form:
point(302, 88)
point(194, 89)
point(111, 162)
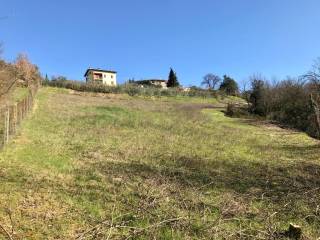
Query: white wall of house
point(106, 78)
point(110, 79)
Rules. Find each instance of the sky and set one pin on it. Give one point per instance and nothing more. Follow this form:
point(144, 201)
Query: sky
point(142, 39)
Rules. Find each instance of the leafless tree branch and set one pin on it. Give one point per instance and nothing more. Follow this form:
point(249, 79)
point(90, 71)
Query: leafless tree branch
point(210, 81)
point(6, 233)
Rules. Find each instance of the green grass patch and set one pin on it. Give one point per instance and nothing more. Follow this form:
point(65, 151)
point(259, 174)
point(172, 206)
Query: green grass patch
point(95, 167)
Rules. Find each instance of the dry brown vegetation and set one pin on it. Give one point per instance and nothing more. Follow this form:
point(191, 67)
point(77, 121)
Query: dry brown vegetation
point(7, 79)
point(21, 73)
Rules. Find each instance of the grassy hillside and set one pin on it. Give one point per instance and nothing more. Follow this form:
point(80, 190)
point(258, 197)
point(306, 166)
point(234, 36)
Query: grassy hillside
point(119, 167)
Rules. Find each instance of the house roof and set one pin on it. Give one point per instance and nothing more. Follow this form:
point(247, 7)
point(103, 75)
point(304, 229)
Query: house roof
point(98, 70)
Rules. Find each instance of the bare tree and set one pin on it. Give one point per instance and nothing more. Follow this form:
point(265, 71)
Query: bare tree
point(7, 78)
point(315, 101)
point(26, 71)
point(21, 72)
point(313, 77)
point(245, 91)
point(210, 81)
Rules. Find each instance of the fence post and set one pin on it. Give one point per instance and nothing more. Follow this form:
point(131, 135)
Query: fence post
point(19, 112)
point(27, 104)
point(7, 126)
point(2, 122)
point(14, 118)
point(24, 108)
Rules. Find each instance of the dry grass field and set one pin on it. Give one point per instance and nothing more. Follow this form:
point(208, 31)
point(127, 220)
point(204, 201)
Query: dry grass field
point(120, 167)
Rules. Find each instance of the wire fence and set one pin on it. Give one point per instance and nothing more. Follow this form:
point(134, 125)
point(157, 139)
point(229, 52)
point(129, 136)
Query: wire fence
point(11, 116)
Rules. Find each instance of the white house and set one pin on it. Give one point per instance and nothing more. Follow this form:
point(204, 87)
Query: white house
point(101, 76)
point(153, 82)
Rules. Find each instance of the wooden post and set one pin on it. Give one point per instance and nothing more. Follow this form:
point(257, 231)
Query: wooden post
point(27, 104)
point(2, 121)
point(24, 108)
point(19, 113)
point(10, 120)
point(29, 101)
point(14, 118)
point(7, 126)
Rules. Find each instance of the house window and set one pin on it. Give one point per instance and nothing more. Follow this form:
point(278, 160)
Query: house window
point(112, 83)
point(104, 76)
point(97, 76)
point(111, 76)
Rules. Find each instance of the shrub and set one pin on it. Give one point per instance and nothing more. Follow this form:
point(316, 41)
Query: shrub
point(230, 110)
point(287, 102)
point(236, 111)
point(27, 72)
point(130, 89)
point(21, 72)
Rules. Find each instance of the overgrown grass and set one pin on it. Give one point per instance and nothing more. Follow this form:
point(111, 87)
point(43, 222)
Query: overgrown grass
point(18, 94)
point(122, 167)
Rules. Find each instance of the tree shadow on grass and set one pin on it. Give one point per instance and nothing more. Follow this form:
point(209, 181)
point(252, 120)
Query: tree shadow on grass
point(290, 189)
point(310, 152)
point(254, 179)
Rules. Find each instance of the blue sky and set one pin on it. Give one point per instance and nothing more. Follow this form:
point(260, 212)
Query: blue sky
point(144, 38)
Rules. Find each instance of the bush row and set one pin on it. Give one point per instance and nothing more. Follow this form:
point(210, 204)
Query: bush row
point(130, 89)
point(287, 102)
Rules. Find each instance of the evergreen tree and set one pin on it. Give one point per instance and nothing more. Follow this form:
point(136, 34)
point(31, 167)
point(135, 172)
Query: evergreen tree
point(229, 86)
point(173, 80)
point(258, 96)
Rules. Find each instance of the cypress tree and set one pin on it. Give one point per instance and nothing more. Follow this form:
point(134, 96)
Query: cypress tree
point(172, 80)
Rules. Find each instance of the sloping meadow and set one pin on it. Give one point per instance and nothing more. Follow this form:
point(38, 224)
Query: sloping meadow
point(121, 167)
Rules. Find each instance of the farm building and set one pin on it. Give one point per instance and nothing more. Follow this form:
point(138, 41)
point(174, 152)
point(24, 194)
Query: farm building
point(106, 77)
point(153, 82)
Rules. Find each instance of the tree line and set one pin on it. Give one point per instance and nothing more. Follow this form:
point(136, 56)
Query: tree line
point(293, 102)
point(227, 84)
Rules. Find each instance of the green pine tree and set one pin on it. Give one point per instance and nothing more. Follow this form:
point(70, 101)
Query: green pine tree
point(172, 80)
